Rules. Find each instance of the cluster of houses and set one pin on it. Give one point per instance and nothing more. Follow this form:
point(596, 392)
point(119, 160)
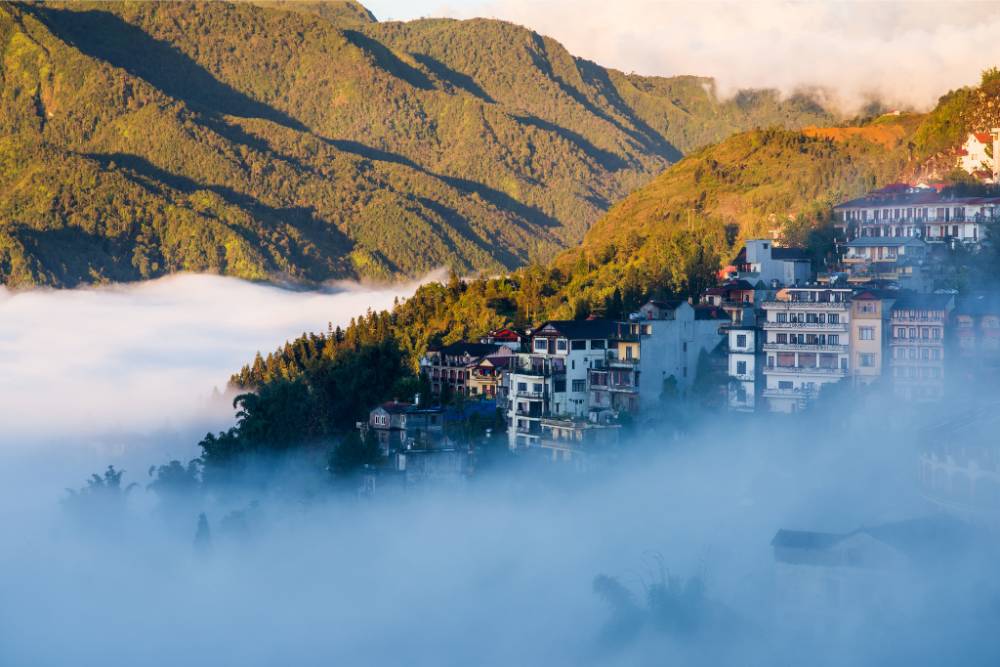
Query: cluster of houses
point(771, 336)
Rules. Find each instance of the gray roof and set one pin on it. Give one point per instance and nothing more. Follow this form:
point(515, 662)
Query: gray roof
point(576, 329)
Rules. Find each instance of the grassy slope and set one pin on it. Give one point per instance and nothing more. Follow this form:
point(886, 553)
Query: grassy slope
point(144, 138)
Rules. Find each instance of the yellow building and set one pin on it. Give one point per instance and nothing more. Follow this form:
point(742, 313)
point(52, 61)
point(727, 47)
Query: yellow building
point(869, 336)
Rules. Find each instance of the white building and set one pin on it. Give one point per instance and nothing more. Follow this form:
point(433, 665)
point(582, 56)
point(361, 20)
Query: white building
point(760, 260)
point(551, 379)
point(806, 344)
point(977, 155)
point(900, 210)
point(672, 335)
point(743, 372)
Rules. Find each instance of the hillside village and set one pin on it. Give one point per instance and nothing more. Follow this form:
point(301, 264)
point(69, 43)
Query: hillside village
point(772, 336)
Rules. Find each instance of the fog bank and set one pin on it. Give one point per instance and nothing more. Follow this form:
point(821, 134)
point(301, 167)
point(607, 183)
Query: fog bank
point(905, 53)
point(138, 358)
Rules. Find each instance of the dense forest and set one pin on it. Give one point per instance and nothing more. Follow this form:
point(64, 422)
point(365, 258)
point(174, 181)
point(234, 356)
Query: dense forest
point(306, 141)
point(668, 238)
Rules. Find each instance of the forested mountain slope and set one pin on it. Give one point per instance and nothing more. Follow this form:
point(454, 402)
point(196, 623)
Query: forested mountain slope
point(309, 142)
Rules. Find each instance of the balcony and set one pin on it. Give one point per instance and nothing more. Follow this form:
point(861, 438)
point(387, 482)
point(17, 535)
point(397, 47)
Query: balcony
point(804, 347)
point(806, 305)
point(804, 370)
point(800, 395)
point(623, 363)
point(529, 394)
point(810, 326)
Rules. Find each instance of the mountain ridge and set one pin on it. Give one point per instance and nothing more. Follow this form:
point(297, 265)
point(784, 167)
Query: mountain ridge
point(270, 143)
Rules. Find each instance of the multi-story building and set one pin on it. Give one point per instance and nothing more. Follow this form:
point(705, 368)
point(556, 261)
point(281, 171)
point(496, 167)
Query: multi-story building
point(806, 344)
point(551, 379)
point(744, 339)
point(917, 345)
point(976, 321)
point(671, 337)
point(614, 384)
point(761, 261)
point(449, 366)
point(869, 338)
point(901, 210)
point(575, 439)
point(397, 425)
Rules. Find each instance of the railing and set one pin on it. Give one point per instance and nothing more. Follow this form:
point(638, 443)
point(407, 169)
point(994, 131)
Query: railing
point(530, 394)
point(630, 363)
point(529, 429)
point(804, 370)
point(804, 347)
point(838, 326)
point(806, 305)
point(800, 394)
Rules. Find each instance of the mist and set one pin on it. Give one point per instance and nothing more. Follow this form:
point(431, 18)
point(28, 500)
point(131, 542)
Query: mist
point(904, 54)
point(503, 570)
point(146, 356)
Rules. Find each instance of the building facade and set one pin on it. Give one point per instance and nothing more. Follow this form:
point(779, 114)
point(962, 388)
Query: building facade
point(904, 211)
point(869, 338)
point(919, 323)
point(806, 344)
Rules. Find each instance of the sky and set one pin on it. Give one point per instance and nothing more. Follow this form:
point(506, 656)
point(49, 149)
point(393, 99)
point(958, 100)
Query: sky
point(906, 53)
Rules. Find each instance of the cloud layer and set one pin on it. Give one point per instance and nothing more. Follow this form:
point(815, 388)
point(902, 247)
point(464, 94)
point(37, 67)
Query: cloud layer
point(147, 355)
point(906, 53)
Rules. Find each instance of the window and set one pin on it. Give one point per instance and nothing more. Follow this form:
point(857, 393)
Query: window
point(866, 333)
point(578, 345)
point(781, 338)
point(741, 340)
point(866, 360)
point(561, 345)
point(537, 388)
point(784, 384)
point(782, 317)
point(741, 368)
point(559, 386)
point(522, 386)
point(579, 385)
point(597, 345)
point(833, 339)
point(900, 332)
point(541, 345)
point(833, 318)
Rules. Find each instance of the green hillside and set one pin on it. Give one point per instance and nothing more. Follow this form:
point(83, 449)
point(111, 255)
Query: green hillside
point(305, 141)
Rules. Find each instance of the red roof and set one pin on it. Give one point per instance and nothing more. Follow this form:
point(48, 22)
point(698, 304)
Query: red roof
point(984, 137)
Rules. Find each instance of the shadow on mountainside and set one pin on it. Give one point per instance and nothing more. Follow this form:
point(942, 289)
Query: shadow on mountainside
point(105, 36)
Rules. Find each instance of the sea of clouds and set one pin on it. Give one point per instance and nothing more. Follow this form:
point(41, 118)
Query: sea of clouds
point(903, 53)
point(498, 572)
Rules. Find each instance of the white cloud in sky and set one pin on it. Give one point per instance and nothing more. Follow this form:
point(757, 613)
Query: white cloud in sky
point(909, 53)
point(147, 355)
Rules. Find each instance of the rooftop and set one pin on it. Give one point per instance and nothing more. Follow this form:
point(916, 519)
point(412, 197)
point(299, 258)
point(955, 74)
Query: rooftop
point(577, 329)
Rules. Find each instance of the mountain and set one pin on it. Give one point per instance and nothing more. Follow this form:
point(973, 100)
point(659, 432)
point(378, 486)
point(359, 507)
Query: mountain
point(306, 141)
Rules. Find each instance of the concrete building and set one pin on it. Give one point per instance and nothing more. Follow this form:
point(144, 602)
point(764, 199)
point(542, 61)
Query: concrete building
point(577, 440)
point(448, 366)
point(829, 581)
point(671, 337)
point(745, 376)
point(552, 379)
point(761, 261)
point(917, 345)
point(900, 210)
point(806, 344)
point(397, 425)
point(869, 337)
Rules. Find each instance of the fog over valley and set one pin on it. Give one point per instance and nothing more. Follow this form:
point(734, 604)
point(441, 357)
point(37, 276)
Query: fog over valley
point(661, 556)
